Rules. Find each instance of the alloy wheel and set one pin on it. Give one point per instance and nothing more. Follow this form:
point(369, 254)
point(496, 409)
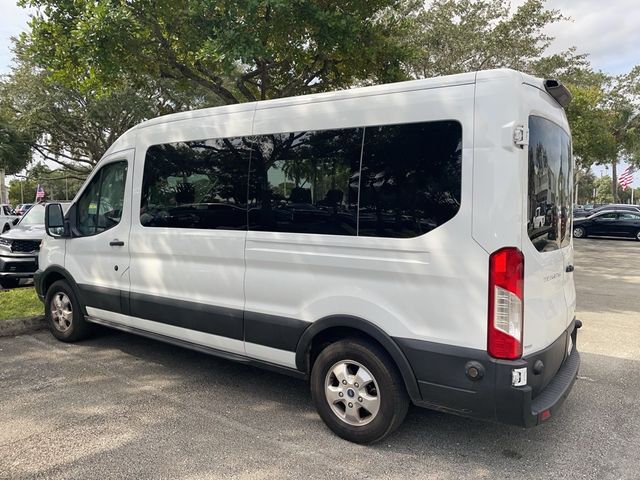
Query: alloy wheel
point(61, 311)
point(352, 393)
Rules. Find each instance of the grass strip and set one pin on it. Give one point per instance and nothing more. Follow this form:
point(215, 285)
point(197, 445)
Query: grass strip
point(19, 303)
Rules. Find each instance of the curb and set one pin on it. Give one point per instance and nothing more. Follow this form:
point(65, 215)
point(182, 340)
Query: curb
point(19, 326)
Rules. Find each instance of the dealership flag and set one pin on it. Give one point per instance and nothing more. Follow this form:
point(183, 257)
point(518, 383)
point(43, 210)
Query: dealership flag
point(626, 178)
point(39, 193)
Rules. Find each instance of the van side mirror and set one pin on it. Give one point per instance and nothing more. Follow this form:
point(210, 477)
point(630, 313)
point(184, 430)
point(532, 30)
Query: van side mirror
point(54, 222)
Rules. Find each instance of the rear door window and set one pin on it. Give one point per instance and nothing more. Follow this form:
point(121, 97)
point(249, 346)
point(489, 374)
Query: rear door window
point(550, 185)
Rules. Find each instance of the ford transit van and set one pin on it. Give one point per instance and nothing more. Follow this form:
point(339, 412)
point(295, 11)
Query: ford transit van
point(396, 244)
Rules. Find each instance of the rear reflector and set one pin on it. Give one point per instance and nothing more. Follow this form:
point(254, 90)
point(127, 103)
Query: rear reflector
point(544, 415)
point(506, 284)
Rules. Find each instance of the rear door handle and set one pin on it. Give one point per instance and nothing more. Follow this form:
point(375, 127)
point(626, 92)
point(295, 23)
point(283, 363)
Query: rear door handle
point(116, 243)
point(570, 268)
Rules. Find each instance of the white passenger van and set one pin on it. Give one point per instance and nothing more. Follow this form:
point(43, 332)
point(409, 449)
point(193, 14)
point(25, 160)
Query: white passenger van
point(385, 243)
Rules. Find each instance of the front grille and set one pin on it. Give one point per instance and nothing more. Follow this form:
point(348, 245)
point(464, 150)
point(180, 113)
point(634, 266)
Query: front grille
point(25, 245)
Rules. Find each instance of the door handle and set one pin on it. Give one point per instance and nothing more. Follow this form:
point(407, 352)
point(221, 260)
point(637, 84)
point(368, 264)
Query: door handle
point(570, 268)
point(116, 243)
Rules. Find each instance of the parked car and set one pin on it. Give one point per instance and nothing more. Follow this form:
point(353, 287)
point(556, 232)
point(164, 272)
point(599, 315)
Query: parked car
point(591, 206)
point(7, 218)
point(421, 299)
point(610, 206)
point(19, 247)
point(23, 208)
point(609, 223)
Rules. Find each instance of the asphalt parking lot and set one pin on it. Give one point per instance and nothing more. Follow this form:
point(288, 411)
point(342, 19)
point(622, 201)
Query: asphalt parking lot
point(119, 406)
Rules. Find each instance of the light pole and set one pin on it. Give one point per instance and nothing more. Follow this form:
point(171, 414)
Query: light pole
point(23, 178)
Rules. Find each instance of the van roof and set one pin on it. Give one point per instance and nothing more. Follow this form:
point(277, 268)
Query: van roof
point(506, 75)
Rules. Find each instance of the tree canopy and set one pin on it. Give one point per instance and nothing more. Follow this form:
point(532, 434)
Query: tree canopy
point(15, 147)
point(240, 50)
point(62, 123)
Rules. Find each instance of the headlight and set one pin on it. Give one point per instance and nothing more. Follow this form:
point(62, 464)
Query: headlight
point(5, 243)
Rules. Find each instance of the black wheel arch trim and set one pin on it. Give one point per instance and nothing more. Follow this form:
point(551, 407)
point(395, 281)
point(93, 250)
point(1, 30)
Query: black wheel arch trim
point(41, 277)
point(347, 321)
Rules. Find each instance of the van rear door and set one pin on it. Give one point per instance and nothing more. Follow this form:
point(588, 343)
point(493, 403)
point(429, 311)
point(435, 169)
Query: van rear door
point(549, 289)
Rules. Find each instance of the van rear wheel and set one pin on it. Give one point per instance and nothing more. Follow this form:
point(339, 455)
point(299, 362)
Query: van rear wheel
point(63, 313)
point(358, 391)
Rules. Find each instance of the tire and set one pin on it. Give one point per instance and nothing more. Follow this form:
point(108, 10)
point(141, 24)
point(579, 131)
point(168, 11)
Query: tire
point(638, 235)
point(63, 313)
point(9, 282)
point(355, 360)
point(579, 232)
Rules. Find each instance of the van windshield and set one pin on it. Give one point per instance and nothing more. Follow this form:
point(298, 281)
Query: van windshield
point(550, 185)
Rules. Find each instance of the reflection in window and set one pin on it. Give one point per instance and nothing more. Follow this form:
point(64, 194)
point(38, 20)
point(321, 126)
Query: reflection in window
point(305, 182)
point(411, 178)
point(201, 184)
point(606, 217)
point(550, 185)
point(100, 206)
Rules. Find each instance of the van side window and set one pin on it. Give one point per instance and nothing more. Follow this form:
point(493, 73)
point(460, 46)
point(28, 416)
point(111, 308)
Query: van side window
point(305, 182)
point(200, 184)
point(411, 178)
point(100, 206)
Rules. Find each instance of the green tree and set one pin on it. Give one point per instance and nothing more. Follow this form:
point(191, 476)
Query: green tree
point(585, 186)
point(623, 103)
point(590, 122)
point(457, 36)
point(604, 192)
point(239, 50)
point(74, 128)
point(58, 184)
point(14, 147)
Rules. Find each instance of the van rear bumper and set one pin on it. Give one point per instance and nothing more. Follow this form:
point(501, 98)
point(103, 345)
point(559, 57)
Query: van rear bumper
point(446, 380)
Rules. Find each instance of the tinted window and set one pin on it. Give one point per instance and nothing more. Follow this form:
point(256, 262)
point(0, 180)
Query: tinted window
point(411, 178)
point(200, 184)
point(606, 217)
point(550, 189)
point(305, 182)
point(629, 216)
point(100, 206)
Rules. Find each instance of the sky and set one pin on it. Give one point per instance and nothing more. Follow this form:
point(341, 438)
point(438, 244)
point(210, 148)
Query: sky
point(609, 31)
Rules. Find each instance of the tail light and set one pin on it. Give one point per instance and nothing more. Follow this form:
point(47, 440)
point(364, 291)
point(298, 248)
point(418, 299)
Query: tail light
point(506, 322)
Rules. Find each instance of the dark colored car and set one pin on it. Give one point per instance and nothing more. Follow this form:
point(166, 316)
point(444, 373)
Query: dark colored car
point(581, 213)
point(609, 223)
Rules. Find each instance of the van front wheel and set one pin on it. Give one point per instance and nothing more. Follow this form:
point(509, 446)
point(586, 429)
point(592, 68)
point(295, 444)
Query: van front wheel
point(358, 391)
point(63, 313)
